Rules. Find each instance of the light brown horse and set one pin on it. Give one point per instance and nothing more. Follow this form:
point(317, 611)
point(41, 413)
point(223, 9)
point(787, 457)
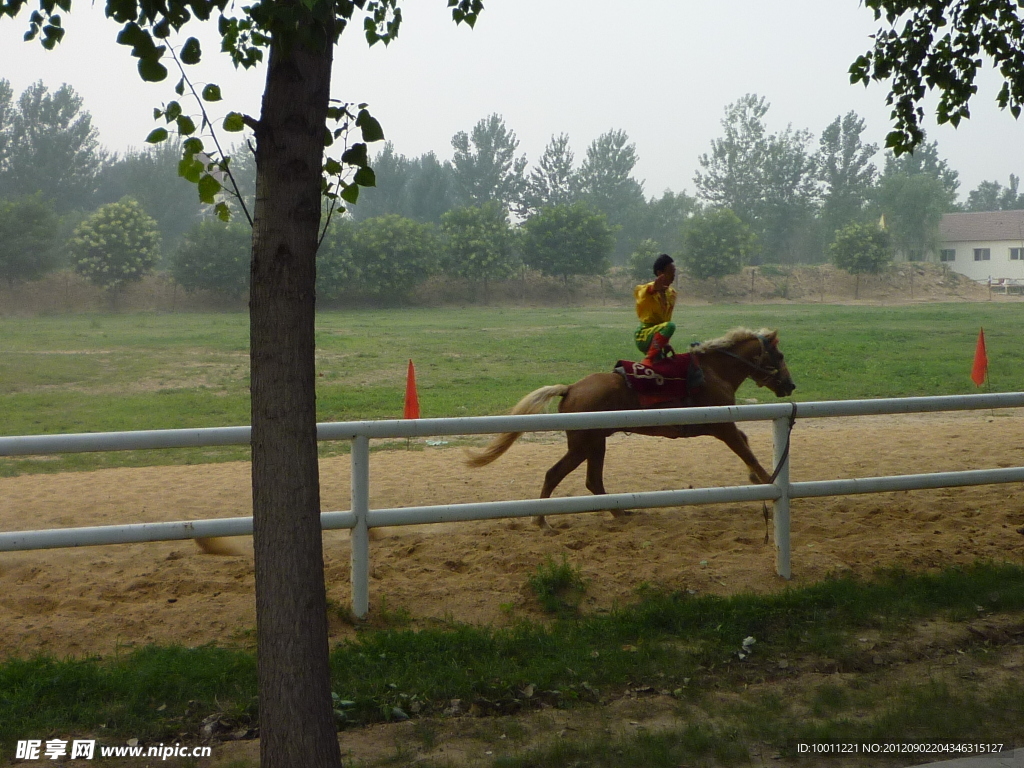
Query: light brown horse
point(726, 362)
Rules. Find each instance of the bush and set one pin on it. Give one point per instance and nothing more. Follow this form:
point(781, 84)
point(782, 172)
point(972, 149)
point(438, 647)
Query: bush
point(715, 244)
point(392, 255)
point(117, 245)
point(564, 240)
point(28, 238)
point(215, 256)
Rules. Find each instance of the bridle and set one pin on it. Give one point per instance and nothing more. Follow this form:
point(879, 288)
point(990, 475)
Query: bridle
point(770, 371)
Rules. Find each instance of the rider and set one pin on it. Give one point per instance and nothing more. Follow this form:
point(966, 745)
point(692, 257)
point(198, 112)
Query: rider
point(654, 304)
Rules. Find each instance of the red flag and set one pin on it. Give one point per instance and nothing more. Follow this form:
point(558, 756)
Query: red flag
point(980, 369)
point(412, 399)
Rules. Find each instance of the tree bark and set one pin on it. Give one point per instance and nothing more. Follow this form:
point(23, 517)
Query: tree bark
point(296, 721)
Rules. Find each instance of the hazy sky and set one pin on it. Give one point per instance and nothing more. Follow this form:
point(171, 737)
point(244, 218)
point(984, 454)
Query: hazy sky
point(662, 70)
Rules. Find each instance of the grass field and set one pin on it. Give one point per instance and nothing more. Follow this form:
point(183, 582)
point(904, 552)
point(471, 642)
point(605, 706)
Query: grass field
point(93, 373)
point(88, 373)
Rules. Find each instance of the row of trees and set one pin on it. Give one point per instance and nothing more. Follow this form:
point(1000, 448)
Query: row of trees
point(791, 197)
point(388, 256)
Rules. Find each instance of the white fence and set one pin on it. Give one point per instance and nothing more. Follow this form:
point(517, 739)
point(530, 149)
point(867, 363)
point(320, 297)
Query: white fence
point(360, 518)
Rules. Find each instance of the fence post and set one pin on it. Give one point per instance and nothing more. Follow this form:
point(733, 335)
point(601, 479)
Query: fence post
point(359, 578)
point(780, 439)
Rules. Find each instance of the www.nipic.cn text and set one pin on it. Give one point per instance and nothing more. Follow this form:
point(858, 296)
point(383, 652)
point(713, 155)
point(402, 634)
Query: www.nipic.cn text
point(85, 749)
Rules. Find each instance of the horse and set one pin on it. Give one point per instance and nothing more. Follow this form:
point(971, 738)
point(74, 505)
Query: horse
point(726, 362)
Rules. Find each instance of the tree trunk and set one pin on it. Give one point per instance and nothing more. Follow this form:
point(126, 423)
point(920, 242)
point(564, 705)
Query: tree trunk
point(296, 721)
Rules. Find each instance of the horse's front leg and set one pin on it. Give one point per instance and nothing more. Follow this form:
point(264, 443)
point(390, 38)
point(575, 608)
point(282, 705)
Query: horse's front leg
point(737, 441)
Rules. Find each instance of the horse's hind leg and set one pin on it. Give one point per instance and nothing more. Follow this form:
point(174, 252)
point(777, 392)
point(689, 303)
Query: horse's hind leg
point(737, 441)
point(572, 459)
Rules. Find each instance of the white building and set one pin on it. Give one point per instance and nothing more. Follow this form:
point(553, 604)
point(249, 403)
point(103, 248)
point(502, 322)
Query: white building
point(985, 246)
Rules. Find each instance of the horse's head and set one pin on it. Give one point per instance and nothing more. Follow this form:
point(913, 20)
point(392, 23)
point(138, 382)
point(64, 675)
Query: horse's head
point(769, 364)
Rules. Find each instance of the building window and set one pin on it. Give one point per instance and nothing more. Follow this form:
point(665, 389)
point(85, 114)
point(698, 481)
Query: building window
point(982, 254)
point(1017, 254)
point(947, 254)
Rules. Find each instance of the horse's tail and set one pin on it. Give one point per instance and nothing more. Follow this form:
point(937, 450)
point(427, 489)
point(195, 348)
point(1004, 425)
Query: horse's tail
point(532, 403)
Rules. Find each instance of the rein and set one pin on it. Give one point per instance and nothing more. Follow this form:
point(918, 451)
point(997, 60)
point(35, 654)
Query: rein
point(768, 372)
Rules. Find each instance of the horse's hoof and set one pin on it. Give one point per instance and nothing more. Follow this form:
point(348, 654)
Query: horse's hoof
point(619, 514)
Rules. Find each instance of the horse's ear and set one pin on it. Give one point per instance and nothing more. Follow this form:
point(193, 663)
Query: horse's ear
point(772, 337)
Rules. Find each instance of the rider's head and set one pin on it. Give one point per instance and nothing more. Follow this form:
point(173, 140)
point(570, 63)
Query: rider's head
point(661, 263)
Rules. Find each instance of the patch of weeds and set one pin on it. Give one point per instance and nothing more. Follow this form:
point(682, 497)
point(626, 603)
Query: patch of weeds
point(829, 699)
point(558, 586)
point(393, 618)
point(426, 733)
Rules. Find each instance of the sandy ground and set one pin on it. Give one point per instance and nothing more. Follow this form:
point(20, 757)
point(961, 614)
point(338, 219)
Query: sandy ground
point(94, 600)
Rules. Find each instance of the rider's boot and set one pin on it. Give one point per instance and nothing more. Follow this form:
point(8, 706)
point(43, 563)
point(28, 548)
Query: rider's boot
point(658, 345)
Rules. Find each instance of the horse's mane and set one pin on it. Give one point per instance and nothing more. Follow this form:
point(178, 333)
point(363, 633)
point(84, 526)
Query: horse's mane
point(730, 339)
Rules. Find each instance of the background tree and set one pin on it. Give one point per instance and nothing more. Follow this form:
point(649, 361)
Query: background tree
point(992, 196)
point(767, 180)
point(117, 245)
point(420, 188)
point(393, 255)
point(846, 173)
point(665, 217)
point(486, 166)
point(925, 161)
point(716, 243)
point(28, 238)
point(913, 192)
point(214, 256)
point(431, 189)
point(554, 180)
point(337, 276)
point(606, 183)
point(641, 261)
point(6, 118)
point(859, 249)
point(50, 147)
point(150, 177)
point(941, 45)
point(297, 725)
point(477, 245)
point(567, 240)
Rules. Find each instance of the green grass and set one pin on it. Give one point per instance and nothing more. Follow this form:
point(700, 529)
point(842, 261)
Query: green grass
point(670, 641)
point(128, 372)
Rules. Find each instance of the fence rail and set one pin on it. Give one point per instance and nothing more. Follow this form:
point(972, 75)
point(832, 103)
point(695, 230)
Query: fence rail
point(360, 518)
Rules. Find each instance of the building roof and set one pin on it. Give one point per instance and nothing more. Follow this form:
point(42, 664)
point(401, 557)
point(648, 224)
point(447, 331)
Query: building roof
point(981, 227)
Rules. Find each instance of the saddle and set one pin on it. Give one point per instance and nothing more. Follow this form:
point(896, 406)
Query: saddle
point(675, 377)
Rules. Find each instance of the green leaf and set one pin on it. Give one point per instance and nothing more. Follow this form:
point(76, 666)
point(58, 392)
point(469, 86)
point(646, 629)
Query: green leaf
point(208, 189)
point(186, 126)
point(152, 71)
point(173, 111)
point(222, 211)
point(211, 93)
point(190, 169)
point(190, 51)
point(365, 177)
point(355, 155)
point(370, 127)
point(234, 122)
point(180, 87)
point(156, 136)
point(332, 167)
point(350, 193)
point(192, 146)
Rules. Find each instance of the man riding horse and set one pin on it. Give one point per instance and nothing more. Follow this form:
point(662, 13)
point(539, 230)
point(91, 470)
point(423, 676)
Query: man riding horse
point(654, 304)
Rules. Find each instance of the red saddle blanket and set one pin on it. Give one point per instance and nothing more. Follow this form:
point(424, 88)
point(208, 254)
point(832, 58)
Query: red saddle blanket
point(670, 378)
